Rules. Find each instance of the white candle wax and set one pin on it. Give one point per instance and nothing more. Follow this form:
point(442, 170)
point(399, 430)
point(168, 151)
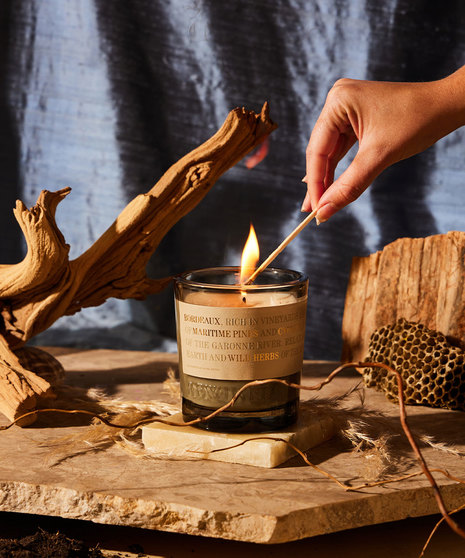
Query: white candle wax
point(243, 299)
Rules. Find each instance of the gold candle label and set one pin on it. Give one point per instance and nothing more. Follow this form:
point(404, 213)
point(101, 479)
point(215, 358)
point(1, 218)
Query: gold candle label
point(241, 343)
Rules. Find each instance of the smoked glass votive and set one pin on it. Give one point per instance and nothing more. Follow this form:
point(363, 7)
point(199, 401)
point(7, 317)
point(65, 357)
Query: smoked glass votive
point(230, 334)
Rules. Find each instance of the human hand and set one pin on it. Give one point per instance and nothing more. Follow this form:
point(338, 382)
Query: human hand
point(391, 121)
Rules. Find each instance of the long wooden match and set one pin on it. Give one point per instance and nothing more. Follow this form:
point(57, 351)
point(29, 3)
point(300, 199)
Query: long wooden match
point(281, 247)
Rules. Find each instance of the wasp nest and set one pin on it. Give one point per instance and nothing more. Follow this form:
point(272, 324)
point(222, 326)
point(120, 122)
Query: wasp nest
point(433, 370)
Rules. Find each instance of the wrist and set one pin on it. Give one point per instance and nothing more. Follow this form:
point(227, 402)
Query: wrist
point(451, 92)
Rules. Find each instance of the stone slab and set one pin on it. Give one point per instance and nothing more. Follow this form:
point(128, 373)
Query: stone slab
point(267, 451)
point(209, 498)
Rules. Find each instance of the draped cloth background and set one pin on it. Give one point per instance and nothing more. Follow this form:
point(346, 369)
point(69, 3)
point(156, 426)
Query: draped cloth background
point(104, 96)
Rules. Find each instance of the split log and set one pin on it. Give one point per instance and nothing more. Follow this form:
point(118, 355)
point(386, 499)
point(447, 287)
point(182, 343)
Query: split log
point(46, 285)
point(419, 279)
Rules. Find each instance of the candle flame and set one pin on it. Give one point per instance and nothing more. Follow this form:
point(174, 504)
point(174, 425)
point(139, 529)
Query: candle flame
point(250, 256)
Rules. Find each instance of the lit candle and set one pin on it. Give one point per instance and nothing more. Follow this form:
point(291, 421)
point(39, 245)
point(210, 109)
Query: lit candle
point(230, 333)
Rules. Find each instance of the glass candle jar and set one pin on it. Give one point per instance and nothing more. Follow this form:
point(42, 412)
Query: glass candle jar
point(230, 334)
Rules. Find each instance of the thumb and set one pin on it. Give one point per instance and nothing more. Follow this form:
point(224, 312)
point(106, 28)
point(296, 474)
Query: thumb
point(350, 185)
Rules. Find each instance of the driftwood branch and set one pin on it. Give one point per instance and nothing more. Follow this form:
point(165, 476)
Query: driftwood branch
point(46, 285)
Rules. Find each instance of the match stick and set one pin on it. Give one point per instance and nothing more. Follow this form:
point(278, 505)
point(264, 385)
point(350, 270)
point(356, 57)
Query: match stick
point(281, 247)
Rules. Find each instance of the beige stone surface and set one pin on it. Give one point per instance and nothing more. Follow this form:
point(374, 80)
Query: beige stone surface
point(201, 497)
point(259, 450)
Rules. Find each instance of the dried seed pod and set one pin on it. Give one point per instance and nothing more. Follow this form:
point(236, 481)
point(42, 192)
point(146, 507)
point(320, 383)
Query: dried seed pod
point(433, 370)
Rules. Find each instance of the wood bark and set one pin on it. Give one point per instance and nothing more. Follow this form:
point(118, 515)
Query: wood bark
point(47, 285)
point(419, 279)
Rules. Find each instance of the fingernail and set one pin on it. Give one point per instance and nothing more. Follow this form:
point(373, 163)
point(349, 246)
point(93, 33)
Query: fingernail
point(304, 179)
point(307, 204)
point(318, 222)
point(325, 212)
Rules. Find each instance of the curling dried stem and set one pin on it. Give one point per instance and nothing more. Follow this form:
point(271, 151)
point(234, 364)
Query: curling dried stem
point(404, 478)
point(291, 445)
point(436, 527)
point(413, 444)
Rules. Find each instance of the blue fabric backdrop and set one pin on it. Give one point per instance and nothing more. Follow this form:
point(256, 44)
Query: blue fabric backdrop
point(104, 96)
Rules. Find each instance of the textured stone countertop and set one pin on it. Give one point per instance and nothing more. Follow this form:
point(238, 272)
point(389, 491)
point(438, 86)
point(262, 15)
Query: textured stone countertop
point(212, 499)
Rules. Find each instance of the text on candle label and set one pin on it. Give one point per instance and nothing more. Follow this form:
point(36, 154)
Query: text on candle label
point(241, 343)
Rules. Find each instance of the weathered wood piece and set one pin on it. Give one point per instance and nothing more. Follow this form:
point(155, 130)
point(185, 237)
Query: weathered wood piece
point(419, 279)
point(46, 285)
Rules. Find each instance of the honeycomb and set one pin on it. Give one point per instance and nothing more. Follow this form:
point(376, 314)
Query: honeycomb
point(432, 370)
